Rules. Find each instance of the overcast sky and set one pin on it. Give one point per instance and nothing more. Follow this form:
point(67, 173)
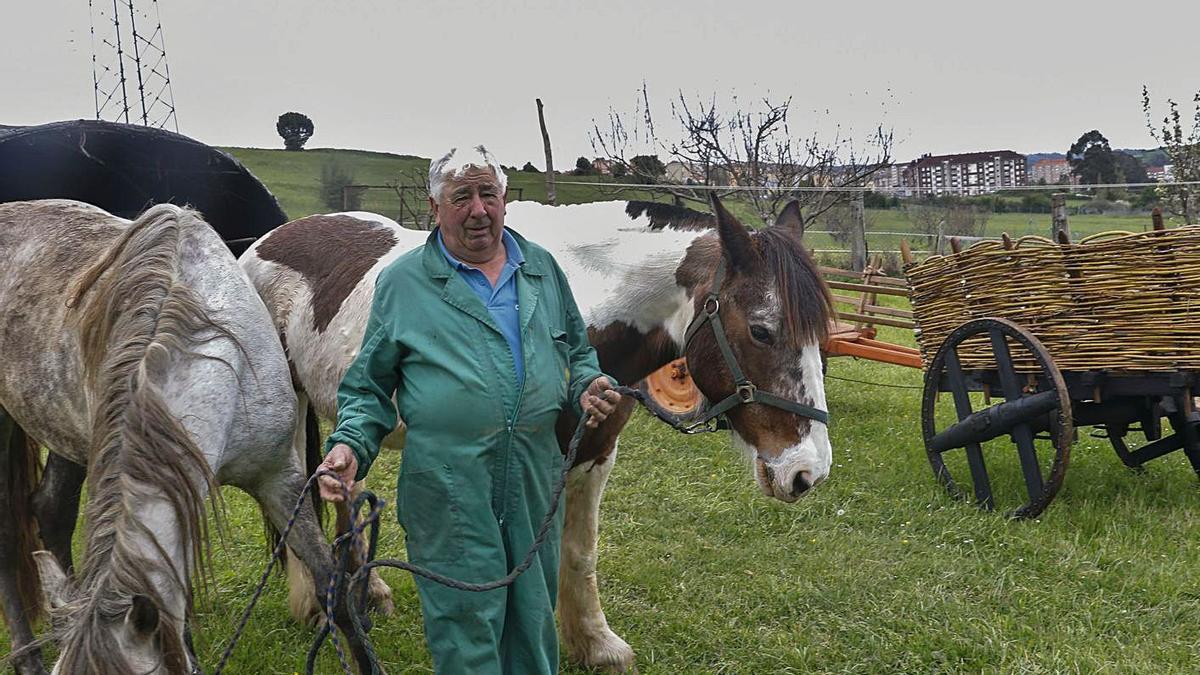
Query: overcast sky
point(417, 77)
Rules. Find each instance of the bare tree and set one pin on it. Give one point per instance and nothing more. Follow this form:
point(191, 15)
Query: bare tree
point(965, 220)
point(925, 218)
point(412, 189)
point(1184, 151)
point(745, 145)
point(956, 220)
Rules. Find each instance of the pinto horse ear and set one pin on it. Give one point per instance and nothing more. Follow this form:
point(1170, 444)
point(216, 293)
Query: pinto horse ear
point(735, 238)
point(54, 581)
point(790, 218)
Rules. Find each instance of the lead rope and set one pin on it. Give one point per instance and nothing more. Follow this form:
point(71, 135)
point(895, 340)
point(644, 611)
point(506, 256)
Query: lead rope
point(344, 545)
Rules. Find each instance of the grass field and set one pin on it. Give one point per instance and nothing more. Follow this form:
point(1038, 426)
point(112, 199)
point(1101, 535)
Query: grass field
point(295, 177)
point(877, 571)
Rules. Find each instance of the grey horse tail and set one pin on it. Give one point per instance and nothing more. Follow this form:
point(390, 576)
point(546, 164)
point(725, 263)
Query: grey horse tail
point(24, 468)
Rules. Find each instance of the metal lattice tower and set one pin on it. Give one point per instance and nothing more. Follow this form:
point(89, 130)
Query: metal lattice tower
point(129, 68)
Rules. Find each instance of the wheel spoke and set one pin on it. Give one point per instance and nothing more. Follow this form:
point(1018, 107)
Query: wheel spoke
point(1004, 366)
point(962, 405)
point(1027, 451)
point(1022, 435)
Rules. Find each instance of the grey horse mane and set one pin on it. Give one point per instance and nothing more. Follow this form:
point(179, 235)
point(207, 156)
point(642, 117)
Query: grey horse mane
point(133, 314)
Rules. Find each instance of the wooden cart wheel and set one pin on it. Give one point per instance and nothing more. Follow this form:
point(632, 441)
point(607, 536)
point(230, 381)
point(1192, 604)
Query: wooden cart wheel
point(1035, 414)
point(671, 392)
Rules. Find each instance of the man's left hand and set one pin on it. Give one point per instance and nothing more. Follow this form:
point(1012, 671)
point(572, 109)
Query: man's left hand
point(599, 401)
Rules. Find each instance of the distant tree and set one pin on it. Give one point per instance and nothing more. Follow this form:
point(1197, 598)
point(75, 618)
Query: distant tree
point(618, 170)
point(1129, 169)
point(1092, 159)
point(583, 167)
point(335, 176)
point(1146, 197)
point(880, 200)
point(647, 168)
point(1037, 202)
point(1184, 151)
point(951, 221)
point(925, 217)
point(839, 220)
point(529, 168)
point(295, 128)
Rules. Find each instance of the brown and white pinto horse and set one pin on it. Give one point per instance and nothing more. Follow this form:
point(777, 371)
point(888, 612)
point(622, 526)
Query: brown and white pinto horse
point(639, 273)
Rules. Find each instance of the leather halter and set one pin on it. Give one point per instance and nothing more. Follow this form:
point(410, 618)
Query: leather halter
point(745, 391)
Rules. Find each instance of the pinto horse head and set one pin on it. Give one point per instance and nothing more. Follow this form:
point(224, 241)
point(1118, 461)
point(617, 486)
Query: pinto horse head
point(775, 311)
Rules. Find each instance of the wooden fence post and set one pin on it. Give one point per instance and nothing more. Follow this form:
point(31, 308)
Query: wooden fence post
point(1058, 218)
point(858, 234)
point(551, 194)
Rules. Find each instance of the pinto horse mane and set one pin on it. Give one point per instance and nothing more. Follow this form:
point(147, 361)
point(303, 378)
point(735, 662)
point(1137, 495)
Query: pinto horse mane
point(134, 315)
point(670, 216)
point(806, 300)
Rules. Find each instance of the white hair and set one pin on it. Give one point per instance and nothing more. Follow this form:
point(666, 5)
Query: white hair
point(480, 158)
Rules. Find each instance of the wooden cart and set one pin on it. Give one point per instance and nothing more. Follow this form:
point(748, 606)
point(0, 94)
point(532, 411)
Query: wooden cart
point(1029, 341)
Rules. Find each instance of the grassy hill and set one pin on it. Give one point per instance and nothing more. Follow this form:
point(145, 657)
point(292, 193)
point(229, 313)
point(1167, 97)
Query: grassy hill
point(295, 179)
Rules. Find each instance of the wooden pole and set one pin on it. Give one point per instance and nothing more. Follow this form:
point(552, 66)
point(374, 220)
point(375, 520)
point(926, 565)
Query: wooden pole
point(1058, 210)
point(551, 195)
point(858, 234)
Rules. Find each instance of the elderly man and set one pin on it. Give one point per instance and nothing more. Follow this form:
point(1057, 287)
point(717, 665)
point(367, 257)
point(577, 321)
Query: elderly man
point(477, 335)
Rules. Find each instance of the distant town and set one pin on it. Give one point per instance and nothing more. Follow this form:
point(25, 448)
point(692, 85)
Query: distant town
point(962, 174)
point(975, 173)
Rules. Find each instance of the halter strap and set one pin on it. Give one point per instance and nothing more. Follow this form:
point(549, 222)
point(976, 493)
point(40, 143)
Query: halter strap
point(745, 392)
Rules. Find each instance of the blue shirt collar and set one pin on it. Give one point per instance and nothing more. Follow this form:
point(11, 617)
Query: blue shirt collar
point(512, 251)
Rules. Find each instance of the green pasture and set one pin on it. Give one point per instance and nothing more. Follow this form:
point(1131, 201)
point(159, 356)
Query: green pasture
point(876, 571)
point(295, 178)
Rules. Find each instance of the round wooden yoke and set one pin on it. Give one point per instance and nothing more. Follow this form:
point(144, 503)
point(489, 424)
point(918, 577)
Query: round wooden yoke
point(670, 389)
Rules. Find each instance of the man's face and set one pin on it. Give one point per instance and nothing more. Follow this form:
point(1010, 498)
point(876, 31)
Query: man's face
point(470, 212)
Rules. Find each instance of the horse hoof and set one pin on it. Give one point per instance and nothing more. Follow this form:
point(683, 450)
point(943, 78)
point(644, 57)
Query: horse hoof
point(307, 614)
point(607, 652)
point(379, 596)
point(31, 666)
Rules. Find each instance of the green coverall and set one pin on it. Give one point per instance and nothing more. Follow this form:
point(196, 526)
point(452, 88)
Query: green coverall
point(481, 458)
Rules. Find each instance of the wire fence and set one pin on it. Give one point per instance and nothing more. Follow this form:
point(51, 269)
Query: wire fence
point(408, 204)
point(911, 190)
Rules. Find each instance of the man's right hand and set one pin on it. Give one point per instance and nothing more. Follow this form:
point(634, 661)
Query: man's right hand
point(340, 461)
